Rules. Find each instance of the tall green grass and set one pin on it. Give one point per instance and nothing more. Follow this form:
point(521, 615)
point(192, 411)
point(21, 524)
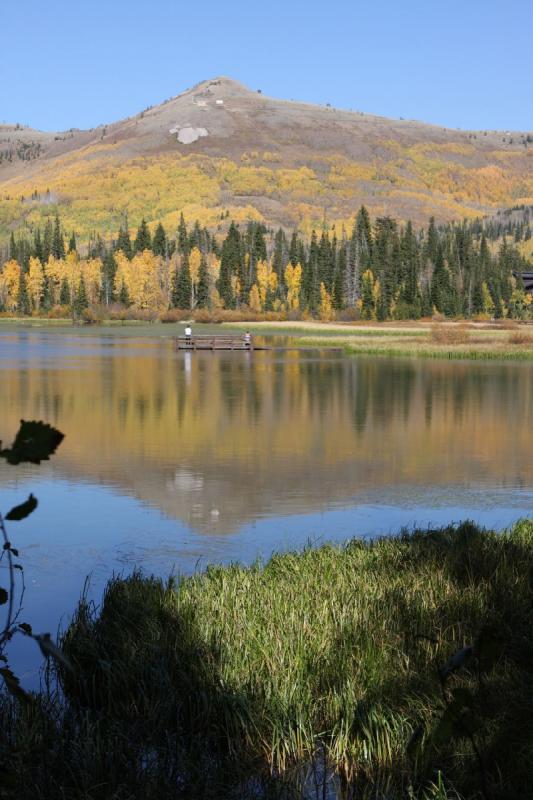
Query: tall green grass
point(319, 667)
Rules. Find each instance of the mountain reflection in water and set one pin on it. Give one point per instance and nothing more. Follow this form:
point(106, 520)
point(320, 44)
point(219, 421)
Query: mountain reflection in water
point(217, 440)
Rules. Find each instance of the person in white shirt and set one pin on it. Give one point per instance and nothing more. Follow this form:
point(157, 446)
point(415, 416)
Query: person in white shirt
point(188, 334)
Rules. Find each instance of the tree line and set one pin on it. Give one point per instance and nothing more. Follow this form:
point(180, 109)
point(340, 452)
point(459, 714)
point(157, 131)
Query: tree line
point(380, 269)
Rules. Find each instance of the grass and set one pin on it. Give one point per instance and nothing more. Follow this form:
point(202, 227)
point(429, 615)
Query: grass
point(315, 668)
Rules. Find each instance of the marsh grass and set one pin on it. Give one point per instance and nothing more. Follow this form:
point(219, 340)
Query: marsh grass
point(445, 334)
point(313, 668)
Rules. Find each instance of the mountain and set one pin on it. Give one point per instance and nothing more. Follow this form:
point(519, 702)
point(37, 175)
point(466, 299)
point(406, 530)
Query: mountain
point(220, 150)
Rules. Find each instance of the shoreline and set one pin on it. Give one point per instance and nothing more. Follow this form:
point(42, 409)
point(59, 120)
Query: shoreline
point(449, 340)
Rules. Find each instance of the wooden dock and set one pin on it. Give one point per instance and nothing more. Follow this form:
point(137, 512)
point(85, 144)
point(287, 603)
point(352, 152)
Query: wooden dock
point(218, 341)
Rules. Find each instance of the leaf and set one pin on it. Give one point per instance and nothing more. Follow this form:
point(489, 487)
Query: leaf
point(50, 650)
point(3, 597)
point(34, 442)
point(458, 660)
point(21, 512)
point(13, 685)
point(25, 628)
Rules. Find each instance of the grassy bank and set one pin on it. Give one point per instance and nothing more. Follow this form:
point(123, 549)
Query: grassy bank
point(400, 668)
point(450, 340)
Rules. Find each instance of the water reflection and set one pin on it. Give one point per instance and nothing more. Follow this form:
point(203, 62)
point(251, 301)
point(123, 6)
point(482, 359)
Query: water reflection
point(218, 440)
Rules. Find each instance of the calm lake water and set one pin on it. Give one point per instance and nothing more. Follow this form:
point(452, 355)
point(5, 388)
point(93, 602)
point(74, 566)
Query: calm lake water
point(174, 460)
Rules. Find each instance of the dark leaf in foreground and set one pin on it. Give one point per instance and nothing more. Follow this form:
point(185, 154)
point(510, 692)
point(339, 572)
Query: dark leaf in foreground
point(50, 649)
point(24, 510)
point(13, 685)
point(457, 661)
point(34, 442)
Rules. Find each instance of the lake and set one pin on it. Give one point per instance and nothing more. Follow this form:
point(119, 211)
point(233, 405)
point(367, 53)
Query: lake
point(174, 460)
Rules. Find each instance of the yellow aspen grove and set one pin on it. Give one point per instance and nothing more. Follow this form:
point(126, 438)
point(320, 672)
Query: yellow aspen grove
point(262, 281)
point(326, 308)
point(293, 280)
point(35, 283)
point(255, 299)
point(215, 300)
point(72, 271)
point(213, 265)
point(55, 270)
point(145, 289)
point(9, 286)
point(195, 259)
point(92, 276)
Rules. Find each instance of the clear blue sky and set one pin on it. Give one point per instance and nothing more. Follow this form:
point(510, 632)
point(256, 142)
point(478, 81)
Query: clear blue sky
point(459, 63)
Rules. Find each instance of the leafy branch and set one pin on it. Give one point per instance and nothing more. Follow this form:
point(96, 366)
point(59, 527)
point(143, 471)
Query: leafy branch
point(35, 442)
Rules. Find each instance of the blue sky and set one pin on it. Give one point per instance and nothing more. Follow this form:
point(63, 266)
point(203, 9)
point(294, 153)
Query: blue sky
point(85, 62)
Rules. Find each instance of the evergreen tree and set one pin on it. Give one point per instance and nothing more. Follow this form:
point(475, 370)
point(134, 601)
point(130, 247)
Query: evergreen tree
point(159, 244)
point(231, 263)
point(182, 288)
point(202, 297)
point(80, 302)
point(123, 295)
point(38, 246)
point(64, 293)
point(72, 246)
point(124, 241)
point(23, 301)
point(47, 241)
point(143, 240)
point(58, 242)
point(183, 239)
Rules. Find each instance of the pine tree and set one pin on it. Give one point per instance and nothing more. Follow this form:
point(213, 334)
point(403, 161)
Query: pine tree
point(202, 298)
point(182, 288)
point(58, 242)
point(124, 242)
point(23, 301)
point(143, 240)
point(64, 293)
point(38, 246)
point(231, 263)
point(80, 302)
point(72, 246)
point(47, 241)
point(159, 243)
point(123, 296)
point(183, 239)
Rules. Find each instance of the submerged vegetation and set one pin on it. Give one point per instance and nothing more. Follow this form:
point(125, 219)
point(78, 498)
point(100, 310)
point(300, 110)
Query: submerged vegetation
point(395, 668)
point(379, 270)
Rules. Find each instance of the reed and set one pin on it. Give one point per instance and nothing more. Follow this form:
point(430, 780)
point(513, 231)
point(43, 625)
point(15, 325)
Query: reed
point(317, 667)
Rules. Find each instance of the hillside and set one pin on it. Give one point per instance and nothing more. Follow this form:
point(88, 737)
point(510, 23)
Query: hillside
point(221, 150)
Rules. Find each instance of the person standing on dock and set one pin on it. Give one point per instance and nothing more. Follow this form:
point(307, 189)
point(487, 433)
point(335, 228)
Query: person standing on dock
point(247, 340)
point(188, 335)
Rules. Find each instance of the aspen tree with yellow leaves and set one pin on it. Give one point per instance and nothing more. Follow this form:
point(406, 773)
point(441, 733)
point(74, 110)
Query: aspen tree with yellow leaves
point(9, 285)
point(293, 281)
point(255, 299)
point(35, 283)
point(325, 310)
